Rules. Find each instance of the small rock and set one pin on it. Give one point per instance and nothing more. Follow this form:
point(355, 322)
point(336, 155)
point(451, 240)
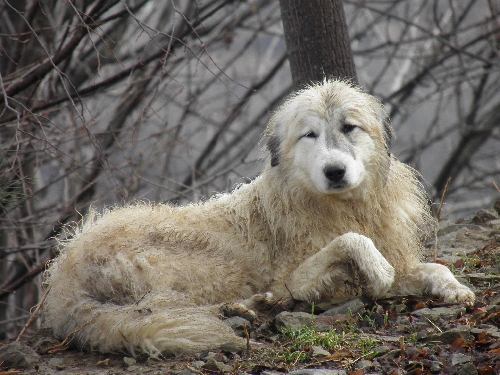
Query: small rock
point(239, 325)
point(197, 364)
point(459, 358)
point(129, 361)
point(18, 355)
point(364, 364)
point(453, 254)
point(134, 369)
point(436, 366)
point(467, 369)
point(213, 365)
point(318, 351)
point(448, 337)
point(186, 372)
point(457, 227)
point(233, 347)
point(349, 307)
point(56, 363)
point(294, 321)
point(484, 216)
point(103, 363)
point(446, 313)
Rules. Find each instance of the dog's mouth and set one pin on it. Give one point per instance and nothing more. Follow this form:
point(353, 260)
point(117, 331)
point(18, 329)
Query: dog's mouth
point(338, 186)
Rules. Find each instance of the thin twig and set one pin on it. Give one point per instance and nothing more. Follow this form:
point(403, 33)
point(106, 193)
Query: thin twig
point(248, 338)
point(438, 215)
point(33, 315)
point(434, 325)
point(496, 187)
point(64, 345)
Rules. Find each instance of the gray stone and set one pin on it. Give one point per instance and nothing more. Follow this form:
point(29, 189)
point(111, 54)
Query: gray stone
point(213, 365)
point(197, 364)
point(364, 364)
point(448, 337)
point(436, 366)
point(56, 363)
point(186, 372)
point(349, 307)
point(18, 355)
point(484, 216)
point(446, 313)
point(239, 325)
point(467, 369)
point(294, 321)
point(457, 228)
point(318, 351)
point(319, 371)
point(459, 358)
point(127, 361)
point(452, 254)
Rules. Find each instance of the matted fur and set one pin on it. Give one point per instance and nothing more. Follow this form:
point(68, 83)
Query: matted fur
point(152, 278)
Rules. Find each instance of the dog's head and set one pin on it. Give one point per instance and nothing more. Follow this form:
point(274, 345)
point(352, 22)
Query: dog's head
point(329, 137)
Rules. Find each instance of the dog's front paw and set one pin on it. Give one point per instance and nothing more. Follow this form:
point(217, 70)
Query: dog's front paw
point(380, 281)
point(458, 293)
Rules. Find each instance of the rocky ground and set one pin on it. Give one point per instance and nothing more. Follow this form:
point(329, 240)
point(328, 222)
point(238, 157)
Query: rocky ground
point(401, 335)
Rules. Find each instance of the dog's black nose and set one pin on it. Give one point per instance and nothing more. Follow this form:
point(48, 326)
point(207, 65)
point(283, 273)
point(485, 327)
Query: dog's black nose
point(335, 173)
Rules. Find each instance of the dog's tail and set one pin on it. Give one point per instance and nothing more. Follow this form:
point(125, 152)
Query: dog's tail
point(155, 325)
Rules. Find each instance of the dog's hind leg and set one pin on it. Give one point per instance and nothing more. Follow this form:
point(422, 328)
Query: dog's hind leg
point(322, 275)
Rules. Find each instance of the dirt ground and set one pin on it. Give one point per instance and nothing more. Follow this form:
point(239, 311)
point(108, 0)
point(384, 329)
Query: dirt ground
point(406, 335)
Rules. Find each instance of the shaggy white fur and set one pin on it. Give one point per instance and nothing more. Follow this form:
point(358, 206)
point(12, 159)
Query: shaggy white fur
point(332, 215)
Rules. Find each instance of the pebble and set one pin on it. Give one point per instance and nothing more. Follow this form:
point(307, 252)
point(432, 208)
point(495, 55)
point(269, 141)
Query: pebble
point(448, 337)
point(318, 351)
point(239, 325)
point(293, 320)
point(214, 365)
point(459, 358)
point(18, 355)
point(129, 361)
point(468, 369)
point(56, 363)
point(350, 307)
point(364, 364)
point(446, 313)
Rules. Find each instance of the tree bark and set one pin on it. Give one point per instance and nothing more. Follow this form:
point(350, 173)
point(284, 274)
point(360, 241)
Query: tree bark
point(317, 40)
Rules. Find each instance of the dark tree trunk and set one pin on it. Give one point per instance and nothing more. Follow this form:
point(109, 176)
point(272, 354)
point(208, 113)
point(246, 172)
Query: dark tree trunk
point(317, 40)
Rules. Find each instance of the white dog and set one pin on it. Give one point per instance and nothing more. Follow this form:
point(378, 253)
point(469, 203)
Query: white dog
point(332, 215)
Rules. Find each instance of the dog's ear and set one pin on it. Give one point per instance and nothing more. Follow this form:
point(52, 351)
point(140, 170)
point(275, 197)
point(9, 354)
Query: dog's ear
point(273, 145)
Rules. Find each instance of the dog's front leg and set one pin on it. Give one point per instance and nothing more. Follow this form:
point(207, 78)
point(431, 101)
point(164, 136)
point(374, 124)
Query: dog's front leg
point(323, 274)
point(434, 279)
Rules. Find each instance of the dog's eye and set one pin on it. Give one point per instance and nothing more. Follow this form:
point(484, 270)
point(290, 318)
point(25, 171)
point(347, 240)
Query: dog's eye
point(347, 128)
point(310, 134)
